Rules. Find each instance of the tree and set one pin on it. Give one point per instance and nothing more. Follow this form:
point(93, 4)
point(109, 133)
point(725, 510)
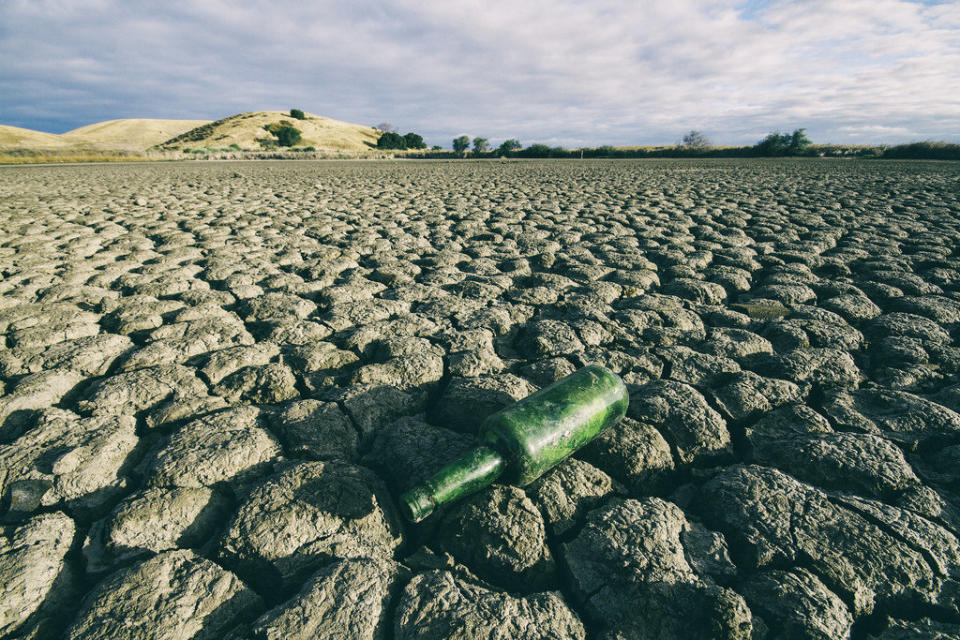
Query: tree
point(799, 141)
point(784, 144)
point(479, 145)
point(606, 151)
point(537, 151)
point(298, 114)
point(508, 146)
point(414, 141)
point(386, 127)
point(460, 144)
point(287, 136)
point(391, 140)
point(775, 144)
point(696, 140)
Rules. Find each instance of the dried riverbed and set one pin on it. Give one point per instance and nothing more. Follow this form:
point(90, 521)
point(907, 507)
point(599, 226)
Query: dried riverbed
point(217, 377)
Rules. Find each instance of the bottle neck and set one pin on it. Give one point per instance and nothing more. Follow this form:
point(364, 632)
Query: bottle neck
point(467, 474)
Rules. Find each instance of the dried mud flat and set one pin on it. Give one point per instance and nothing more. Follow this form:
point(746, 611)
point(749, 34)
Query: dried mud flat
point(217, 377)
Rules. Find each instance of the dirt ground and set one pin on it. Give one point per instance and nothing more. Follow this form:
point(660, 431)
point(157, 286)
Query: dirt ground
point(216, 379)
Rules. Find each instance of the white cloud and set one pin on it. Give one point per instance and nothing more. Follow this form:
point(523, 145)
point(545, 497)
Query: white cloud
point(554, 71)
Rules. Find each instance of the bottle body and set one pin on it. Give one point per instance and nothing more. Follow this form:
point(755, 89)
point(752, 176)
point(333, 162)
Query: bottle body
point(523, 441)
point(543, 429)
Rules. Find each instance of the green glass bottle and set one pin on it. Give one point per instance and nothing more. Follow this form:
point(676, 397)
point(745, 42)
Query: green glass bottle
point(523, 441)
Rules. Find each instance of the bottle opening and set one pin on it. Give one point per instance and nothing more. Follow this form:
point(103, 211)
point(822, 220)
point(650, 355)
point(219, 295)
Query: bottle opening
point(416, 504)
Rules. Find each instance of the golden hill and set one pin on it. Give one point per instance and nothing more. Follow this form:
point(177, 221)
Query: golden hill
point(131, 134)
point(17, 138)
point(246, 131)
point(134, 136)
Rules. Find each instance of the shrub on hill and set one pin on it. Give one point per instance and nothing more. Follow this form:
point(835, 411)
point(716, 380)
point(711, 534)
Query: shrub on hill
point(273, 127)
point(391, 140)
point(298, 114)
point(287, 136)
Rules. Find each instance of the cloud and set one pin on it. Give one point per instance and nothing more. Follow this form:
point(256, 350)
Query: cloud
point(558, 71)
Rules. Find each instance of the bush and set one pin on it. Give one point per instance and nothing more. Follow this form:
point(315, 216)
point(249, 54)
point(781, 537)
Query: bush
point(235, 147)
point(606, 151)
point(296, 113)
point(287, 136)
point(784, 144)
point(775, 144)
point(799, 142)
point(536, 151)
point(391, 140)
point(414, 141)
point(924, 150)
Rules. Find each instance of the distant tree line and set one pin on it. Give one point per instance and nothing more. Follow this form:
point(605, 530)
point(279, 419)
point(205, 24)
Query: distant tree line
point(481, 147)
point(924, 150)
point(393, 140)
point(695, 144)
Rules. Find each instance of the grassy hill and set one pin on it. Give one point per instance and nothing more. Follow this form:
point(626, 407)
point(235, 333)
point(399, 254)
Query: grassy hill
point(132, 134)
point(96, 141)
point(246, 131)
point(134, 137)
point(17, 138)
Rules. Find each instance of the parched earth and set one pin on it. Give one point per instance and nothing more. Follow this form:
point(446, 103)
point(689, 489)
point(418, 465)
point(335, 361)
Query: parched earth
point(217, 378)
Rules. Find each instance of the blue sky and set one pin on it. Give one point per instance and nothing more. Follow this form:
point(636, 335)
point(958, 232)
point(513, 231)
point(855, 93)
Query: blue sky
point(559, 72)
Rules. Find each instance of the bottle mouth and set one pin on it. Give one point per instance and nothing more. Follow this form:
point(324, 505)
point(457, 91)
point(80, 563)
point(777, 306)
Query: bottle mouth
point(416, 504)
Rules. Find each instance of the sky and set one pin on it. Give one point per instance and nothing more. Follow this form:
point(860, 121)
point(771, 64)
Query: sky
point(558, 72)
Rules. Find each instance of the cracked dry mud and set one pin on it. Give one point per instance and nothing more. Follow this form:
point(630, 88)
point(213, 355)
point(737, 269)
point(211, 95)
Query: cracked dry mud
point(216, 379)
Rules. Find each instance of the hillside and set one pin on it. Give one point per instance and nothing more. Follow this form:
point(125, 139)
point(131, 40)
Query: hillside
point(246, 131)
point(135, 135)
point(132, 134)
point(17, 138)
